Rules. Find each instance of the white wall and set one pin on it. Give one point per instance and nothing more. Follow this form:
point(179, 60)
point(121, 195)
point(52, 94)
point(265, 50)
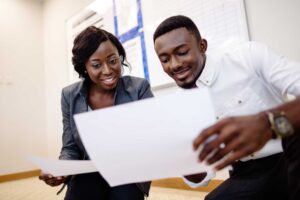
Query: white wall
point(22, 88)
point(56, 13)
point(276, 23)
point(33, 70)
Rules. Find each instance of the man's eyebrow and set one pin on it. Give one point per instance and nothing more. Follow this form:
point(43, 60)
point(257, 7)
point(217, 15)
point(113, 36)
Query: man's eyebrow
point(179, 46)
point(175, 49)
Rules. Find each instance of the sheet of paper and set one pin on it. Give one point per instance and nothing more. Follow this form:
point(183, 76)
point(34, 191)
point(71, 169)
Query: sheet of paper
point(63, 167)
point(148, 139)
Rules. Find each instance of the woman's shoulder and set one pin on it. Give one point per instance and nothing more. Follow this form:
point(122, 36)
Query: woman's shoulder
point(133, 81)
point(133, 88)
point(132, 84)
point(73, 88)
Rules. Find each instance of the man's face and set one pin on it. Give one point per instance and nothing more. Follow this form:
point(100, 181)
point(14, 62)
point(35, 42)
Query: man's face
point(181, 55)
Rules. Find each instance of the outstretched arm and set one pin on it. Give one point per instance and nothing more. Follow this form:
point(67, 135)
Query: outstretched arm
point(242, 136)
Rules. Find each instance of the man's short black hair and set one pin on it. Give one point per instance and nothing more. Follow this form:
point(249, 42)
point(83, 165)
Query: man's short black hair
point(175, 22)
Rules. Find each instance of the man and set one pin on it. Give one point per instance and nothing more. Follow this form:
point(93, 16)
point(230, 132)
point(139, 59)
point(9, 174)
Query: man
point(243, 80)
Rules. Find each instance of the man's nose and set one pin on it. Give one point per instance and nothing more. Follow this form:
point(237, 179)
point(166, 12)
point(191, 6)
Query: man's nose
point(175, 63)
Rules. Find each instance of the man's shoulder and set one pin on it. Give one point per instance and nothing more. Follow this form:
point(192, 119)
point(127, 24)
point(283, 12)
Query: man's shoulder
point(235, 47)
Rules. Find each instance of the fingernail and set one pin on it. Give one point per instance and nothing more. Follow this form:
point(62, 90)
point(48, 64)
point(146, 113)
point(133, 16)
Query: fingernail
point(205, 162)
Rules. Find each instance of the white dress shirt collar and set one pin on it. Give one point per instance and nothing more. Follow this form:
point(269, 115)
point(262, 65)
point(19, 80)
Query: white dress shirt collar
point(208, 74)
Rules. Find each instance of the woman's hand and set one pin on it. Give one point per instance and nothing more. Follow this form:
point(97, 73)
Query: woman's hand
point(51, 180)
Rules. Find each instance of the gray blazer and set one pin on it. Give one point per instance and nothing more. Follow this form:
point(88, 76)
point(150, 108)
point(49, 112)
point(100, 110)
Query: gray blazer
point(74, 100)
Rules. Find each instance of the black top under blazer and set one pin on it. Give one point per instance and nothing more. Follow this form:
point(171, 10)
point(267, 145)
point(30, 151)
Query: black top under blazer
point(74, 100)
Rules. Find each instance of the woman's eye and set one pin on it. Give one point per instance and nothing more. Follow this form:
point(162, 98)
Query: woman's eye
point(96, 65)
point(113, 61)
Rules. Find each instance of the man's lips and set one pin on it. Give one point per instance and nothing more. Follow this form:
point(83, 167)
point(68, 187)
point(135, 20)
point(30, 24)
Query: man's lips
point(181, 74)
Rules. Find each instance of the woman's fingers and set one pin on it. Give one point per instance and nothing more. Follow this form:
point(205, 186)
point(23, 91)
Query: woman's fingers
point(51, 180)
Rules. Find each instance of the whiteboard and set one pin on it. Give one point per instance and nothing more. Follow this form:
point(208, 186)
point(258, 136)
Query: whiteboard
point(134, 22)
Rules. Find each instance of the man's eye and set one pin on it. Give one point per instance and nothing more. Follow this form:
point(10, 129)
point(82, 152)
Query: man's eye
point(182, 53)
point(164, 60)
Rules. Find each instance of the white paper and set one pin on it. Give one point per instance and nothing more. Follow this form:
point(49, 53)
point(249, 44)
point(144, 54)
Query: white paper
point(63, 167)
point(148, 139)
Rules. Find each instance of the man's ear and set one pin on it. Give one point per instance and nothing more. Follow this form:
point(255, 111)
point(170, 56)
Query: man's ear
point(203, 45)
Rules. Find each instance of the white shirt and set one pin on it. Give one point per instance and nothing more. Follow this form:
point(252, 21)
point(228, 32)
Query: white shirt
point(247, 79)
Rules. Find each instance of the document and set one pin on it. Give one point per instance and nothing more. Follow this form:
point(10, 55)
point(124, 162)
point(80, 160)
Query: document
point(63, 167)
point(147, 139)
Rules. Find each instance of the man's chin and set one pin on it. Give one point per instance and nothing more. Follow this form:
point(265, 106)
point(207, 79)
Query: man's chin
point(186, 84)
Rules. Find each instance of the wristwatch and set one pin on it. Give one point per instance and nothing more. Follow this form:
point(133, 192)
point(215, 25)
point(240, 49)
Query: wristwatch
point(280, 124)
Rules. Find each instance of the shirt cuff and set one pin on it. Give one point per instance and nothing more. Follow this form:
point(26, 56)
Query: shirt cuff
point(210, 174)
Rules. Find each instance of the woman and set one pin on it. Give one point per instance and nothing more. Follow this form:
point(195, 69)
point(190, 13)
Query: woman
point(98, 57)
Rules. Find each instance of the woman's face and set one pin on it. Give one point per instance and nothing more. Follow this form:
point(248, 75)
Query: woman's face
point(104, 66)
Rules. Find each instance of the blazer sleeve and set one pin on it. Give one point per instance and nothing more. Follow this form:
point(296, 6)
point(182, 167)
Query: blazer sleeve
point(145, 90)
point(69, 150)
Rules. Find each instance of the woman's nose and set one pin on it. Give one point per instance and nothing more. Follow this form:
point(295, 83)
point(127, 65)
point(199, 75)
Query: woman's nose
point(106, 69)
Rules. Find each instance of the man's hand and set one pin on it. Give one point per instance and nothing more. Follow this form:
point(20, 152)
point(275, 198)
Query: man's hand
point(51, 180)
point(240, 136)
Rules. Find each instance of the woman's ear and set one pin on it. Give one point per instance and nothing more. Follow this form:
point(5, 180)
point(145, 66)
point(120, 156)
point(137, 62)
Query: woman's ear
point(122, 59)
point(203, 45)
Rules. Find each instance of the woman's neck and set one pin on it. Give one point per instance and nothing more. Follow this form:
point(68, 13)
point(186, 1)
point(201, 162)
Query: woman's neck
point(99, 98)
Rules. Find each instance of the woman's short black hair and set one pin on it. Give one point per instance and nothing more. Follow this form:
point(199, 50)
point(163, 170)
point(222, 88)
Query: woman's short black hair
point(175, 22)
point(87, 42)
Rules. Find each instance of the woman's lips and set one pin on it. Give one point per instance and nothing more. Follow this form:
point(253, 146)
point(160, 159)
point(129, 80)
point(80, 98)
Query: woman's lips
point(109, 81)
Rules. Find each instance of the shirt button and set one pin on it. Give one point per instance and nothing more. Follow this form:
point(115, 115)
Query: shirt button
point(207, 82)
point(240, 101)
point(217, 117)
